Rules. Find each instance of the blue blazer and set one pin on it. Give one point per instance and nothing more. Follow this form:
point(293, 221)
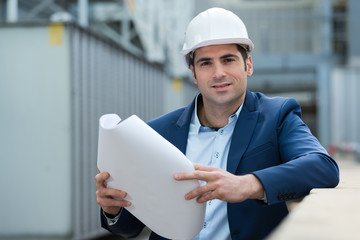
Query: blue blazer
point(270, 141)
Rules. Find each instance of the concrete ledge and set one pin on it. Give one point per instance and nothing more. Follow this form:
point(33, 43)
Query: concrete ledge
point(327, 213)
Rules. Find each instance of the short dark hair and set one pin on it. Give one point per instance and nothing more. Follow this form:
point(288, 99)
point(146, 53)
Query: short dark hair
point(244, 52)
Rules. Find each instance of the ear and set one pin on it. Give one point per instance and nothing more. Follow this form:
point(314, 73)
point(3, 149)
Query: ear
point(193, 74)
point(249, 66)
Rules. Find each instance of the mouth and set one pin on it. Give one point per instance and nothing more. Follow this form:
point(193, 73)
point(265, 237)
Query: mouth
point(221, 86)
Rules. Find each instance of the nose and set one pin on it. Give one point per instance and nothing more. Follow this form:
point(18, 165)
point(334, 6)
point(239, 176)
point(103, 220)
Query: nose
point(219, 72)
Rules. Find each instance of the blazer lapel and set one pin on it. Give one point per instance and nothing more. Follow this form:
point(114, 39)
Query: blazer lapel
point(179, 133)
point(243, 131)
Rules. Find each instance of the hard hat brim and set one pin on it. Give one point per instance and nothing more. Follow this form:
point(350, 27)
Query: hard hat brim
point(243, 41)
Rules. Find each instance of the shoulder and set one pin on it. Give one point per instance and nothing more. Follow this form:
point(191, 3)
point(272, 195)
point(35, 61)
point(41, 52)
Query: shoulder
point(166, 120)
point(179, 117)
point(277, 101)
point(278, 105)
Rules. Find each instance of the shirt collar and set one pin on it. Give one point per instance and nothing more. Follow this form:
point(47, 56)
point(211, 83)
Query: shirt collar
point(196, 122)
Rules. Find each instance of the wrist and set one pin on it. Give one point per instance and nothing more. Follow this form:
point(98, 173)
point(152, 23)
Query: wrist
point(257, 189)
point(111, 215)
point(111, 219)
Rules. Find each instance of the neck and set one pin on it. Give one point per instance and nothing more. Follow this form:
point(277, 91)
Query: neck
point(215, 117)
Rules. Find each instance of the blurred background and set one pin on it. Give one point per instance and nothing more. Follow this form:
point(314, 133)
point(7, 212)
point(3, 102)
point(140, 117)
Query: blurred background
point(64, 63)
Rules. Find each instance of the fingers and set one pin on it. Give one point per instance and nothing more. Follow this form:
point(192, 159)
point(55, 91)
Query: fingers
point(111, 200)
point(100, 179)
point(201, 172)
point(205, 173)
point(103, 191)
point(206, 168)
point(200, 191)
point(220, 184)
point(185, 176)
point(206, 197)
point(111, 192)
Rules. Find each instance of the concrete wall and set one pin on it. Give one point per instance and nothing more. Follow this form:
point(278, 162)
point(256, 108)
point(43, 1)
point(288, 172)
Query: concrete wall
point(35, 130)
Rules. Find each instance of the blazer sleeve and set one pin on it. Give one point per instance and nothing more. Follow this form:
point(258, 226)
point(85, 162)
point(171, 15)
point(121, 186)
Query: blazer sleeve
point(305, 164)
point(127, 225)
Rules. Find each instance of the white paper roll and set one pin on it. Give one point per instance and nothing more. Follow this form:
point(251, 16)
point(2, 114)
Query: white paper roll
point(142, 163)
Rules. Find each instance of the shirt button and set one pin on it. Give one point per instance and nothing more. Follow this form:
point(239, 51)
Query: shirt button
point(221, 132)
point(209, 202)
point(217, 154)
point(204, 224)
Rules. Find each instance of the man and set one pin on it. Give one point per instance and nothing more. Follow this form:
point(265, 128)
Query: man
point(252, 152)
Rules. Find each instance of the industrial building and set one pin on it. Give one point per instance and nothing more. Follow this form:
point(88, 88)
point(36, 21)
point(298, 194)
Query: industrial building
point(64, 63)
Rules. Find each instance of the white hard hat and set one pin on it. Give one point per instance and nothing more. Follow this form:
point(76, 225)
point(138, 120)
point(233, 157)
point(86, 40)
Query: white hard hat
point(215, 26)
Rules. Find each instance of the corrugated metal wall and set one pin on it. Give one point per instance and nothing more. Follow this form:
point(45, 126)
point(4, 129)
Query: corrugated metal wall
point(105, 79)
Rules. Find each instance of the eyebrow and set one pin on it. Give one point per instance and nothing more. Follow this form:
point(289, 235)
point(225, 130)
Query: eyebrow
point(229, 55)
point(205, 59)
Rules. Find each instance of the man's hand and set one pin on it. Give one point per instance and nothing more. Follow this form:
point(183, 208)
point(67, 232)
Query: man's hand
point(222, 185)
point(105, 197)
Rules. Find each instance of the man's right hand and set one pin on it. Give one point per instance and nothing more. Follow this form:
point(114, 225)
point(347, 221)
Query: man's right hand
point(105, 197)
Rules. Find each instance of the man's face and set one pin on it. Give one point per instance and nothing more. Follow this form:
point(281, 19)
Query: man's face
point(220, 74)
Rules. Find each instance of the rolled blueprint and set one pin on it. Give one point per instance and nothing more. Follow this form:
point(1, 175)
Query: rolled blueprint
point(142, 163)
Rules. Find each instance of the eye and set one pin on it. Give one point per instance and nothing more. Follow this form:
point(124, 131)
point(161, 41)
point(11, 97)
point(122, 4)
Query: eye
point(229, 60)
point(205, 63)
